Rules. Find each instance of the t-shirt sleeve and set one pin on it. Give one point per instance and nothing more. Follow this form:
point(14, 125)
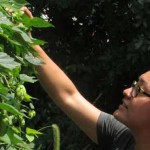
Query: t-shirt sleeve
point(111, 132)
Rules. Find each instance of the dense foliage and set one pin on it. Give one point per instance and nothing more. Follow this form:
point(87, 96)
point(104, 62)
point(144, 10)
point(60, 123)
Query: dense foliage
point(17, 67)
point(102, 45)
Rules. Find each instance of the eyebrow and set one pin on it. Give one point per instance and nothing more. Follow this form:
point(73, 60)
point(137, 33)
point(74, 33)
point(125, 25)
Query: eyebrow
point(141, 80)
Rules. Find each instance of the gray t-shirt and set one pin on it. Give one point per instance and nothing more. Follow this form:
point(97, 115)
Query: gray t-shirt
point(113, 135)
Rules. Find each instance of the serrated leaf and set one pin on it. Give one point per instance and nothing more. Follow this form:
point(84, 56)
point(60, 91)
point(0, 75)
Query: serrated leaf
point(10, 109)
point(27, 78)
point(33, 60)
point(32, 131)
point(24, 36)
point(4, 19)
point(7, 62)
point(13, 36)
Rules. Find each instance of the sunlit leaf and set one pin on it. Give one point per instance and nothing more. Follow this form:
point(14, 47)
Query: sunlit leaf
point(37, 42)
point(7, 62)
point(32, 131)
point(4, 19)
point(30, 137)
point(40, 23)
point(5, 138)
point(33, 60)
point(23, 34)
point(10, 109)
point(27, 78)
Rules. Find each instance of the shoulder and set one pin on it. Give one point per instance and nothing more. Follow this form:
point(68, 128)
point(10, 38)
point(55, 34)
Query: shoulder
point(111, 132)
point(108, 120)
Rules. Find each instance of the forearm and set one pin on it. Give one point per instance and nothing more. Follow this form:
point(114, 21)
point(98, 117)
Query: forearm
point(53, 79)
point(61, 89)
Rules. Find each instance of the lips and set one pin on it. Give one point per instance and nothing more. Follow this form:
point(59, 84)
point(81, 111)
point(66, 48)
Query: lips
point(124, 105)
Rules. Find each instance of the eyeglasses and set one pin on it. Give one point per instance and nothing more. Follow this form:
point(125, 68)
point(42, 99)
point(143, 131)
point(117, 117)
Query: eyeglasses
point(136, 89)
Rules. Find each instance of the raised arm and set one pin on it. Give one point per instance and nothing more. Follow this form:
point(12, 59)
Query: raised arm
point(64, 93)
point(61, 89)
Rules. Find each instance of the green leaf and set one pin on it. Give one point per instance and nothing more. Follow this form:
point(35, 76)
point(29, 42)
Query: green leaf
point(16, 129)
point(13, 4)
point(32, 131)
point(14, 138)
point(26, 146)
point(5, 138)
point(35, 22)
point(21, 2)
point(11, 148)
point(40, 23)
point(10, 109)
point(30, 137)
point(1, 47)
point(4, 19)
point(37, 42)
point(23, 34)
point(3, 90)
point(15, 35)
point(16, 71)
point(33, 60)
point(27, 78)
point(17, 137)
point(7, 62)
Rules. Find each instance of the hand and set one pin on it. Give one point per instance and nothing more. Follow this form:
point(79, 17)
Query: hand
point(24, 9)
point(27, 12)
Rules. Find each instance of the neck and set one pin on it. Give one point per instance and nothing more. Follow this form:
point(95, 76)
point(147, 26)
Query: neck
point(142, 141)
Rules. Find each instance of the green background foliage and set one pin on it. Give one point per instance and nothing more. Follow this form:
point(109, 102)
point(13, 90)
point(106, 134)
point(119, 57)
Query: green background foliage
point(102, 45)
point(17, 62)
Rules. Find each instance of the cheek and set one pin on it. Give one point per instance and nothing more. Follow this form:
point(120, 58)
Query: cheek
point(139, 114)
point(136, 115)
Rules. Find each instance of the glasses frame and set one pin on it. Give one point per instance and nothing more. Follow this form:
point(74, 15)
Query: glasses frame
point(136, 89)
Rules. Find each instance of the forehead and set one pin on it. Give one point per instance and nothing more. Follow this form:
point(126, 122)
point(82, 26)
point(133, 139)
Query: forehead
point(144, 79)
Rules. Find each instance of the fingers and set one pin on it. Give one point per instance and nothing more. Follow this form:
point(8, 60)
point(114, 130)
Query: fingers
point(24, 9)
point(9, 10)
point(27, 12)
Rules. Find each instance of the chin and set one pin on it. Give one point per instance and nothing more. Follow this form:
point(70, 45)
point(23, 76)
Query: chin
point(120, 116)
point(116, 114)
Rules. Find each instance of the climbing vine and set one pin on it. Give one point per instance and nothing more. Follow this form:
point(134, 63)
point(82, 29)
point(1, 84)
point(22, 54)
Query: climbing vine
point(17, 67)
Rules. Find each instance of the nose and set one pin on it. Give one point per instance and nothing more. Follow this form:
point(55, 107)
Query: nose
point(127, 92)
